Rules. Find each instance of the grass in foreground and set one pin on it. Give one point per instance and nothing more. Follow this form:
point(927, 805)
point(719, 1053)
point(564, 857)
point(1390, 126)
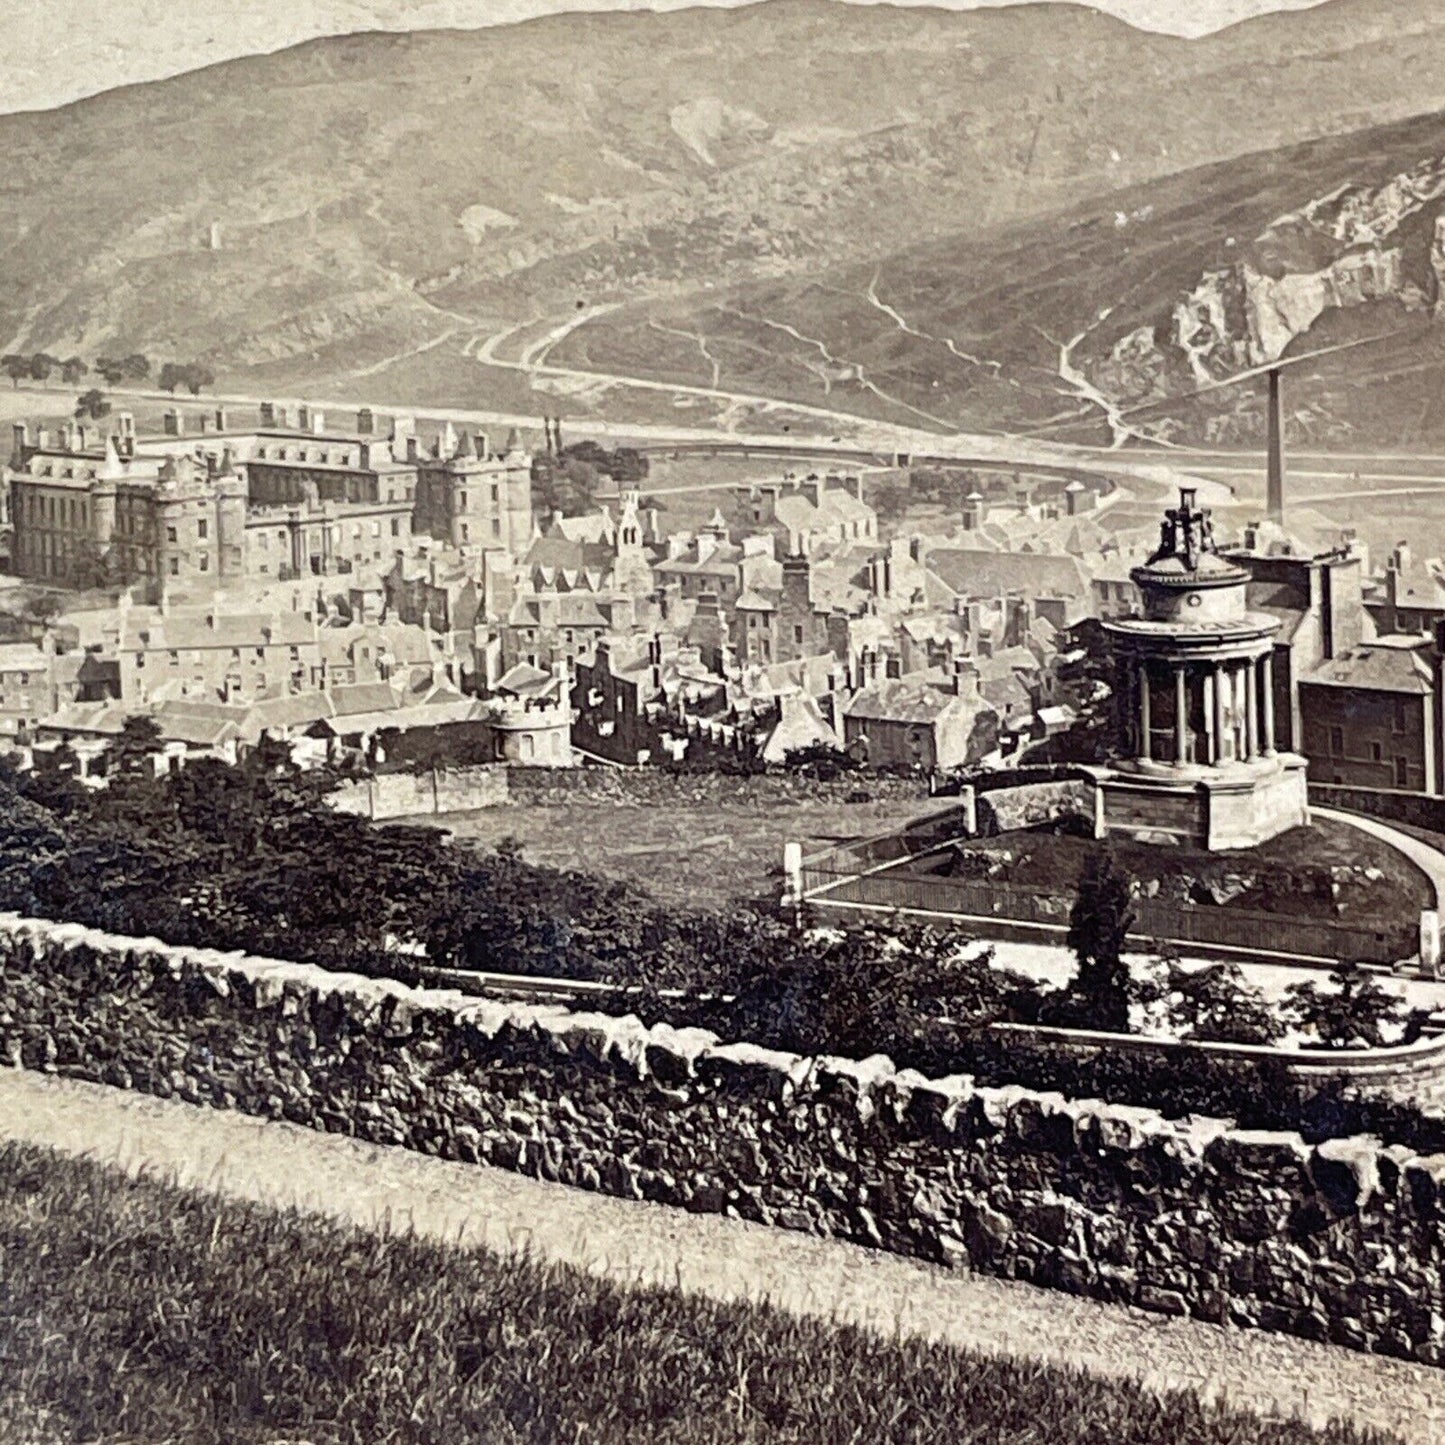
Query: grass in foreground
point(133, 1311)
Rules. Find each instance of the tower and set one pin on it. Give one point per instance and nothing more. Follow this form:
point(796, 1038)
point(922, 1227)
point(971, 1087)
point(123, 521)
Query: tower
point(1194, 757)
point(230, 495)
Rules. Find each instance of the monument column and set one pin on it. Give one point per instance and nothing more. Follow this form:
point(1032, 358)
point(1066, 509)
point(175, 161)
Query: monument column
point(1181, 716)
point(1145, 749)
point(1222, 691)
point(1267, 683)
point(1213, 734)
point(1251, 709)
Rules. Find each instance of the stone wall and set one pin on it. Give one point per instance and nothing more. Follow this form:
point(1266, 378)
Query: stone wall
point(409, 795)
point(459, 790)
point(652, 786)
point(1034, 805)
point(1344, 1241)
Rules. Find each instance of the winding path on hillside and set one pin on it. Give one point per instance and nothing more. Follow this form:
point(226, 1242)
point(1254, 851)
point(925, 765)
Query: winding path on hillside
point(285, 1166)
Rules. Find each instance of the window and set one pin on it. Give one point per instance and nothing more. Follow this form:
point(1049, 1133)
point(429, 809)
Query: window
point(1337, 742)
point(170, 534)
point(1402, 773)
point(396, 526)
point(466, 533)
point(798, 634)
point(175, 566)
point(201, 528)
point(1399, 717)
point(175, 658)
point(1377, 753)
point(205, 562)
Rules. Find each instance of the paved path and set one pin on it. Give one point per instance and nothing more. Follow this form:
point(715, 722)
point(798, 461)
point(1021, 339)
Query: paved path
point(282, 1165)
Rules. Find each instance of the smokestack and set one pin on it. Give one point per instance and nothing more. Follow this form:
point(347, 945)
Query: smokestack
point(1274, 508)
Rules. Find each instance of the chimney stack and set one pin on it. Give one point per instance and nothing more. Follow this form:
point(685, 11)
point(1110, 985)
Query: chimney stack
point(268, 413)
point(366, 421)
point(1274, 508)
point(171, 423)
point(221, 418)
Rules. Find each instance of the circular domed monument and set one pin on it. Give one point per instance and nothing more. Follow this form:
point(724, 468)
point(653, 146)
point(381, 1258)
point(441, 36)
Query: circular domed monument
point(1194, 759)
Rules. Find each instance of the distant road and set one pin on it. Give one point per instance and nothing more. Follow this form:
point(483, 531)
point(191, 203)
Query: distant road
point(849, 437)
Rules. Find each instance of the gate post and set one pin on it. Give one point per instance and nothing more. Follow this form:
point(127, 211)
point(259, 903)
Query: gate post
point(792, 873)
point(1430, 943)
point(968, 798)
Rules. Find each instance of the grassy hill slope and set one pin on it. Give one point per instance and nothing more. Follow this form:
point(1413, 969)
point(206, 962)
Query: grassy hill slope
point(376, 192)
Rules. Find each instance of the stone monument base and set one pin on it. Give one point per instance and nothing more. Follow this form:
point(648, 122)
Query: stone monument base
point(1236, 805)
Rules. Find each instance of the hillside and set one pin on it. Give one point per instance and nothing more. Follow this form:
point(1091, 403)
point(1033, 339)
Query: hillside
point(375, 193)
point(1110, 317)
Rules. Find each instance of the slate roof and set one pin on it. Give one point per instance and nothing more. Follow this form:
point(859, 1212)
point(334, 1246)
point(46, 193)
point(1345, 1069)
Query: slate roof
point(1373, 668)
point(901, 700)
point(970, 572)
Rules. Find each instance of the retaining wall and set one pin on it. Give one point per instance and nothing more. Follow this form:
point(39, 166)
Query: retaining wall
point(407, 795)
point(1344, 1241)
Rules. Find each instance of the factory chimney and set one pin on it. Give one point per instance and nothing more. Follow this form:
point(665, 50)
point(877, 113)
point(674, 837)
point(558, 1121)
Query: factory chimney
point(1275, 492)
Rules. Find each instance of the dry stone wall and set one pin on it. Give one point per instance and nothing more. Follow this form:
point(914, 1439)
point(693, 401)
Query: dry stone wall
point(1344, 1241)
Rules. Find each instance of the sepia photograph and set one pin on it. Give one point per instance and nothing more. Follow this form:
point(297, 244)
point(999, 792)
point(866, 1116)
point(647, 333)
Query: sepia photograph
point(722, 722)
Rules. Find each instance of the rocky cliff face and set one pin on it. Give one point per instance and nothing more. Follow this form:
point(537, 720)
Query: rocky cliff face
point(1355, 247)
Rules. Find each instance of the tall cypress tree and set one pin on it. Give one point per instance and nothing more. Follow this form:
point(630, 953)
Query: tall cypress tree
point(1098, 925)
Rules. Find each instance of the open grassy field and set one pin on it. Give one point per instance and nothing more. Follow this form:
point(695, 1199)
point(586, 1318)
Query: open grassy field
point(135, 1311)
point(692, 854)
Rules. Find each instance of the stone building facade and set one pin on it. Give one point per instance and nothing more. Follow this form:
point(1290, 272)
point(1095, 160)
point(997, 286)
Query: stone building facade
point(275, 502)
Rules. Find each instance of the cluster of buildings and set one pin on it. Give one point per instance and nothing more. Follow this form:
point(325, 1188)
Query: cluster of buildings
point(384, 591)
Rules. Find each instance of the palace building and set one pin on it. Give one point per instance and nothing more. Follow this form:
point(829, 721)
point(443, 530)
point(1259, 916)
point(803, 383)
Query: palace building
point(184, 513)
point(1195, 759)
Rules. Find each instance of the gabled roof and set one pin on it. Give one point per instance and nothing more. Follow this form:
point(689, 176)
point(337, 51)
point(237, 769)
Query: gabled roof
point(754, 600)
point(970, 572)
point(1376, 668)
point(901, 700)
point(524, 680)
point(362, 697)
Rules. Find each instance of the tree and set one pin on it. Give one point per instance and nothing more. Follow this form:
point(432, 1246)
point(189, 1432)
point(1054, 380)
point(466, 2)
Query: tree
point(17, 367)
point(42, 364)
point(197, 376)
point(1349, 1014)
point(72, 369)
point(42, 608)
point(1216, 1004)
point(171, 376)
point(1099, 923)
point(111, 369)
point(136, 366)
point(133, 751)
point(93, 404)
